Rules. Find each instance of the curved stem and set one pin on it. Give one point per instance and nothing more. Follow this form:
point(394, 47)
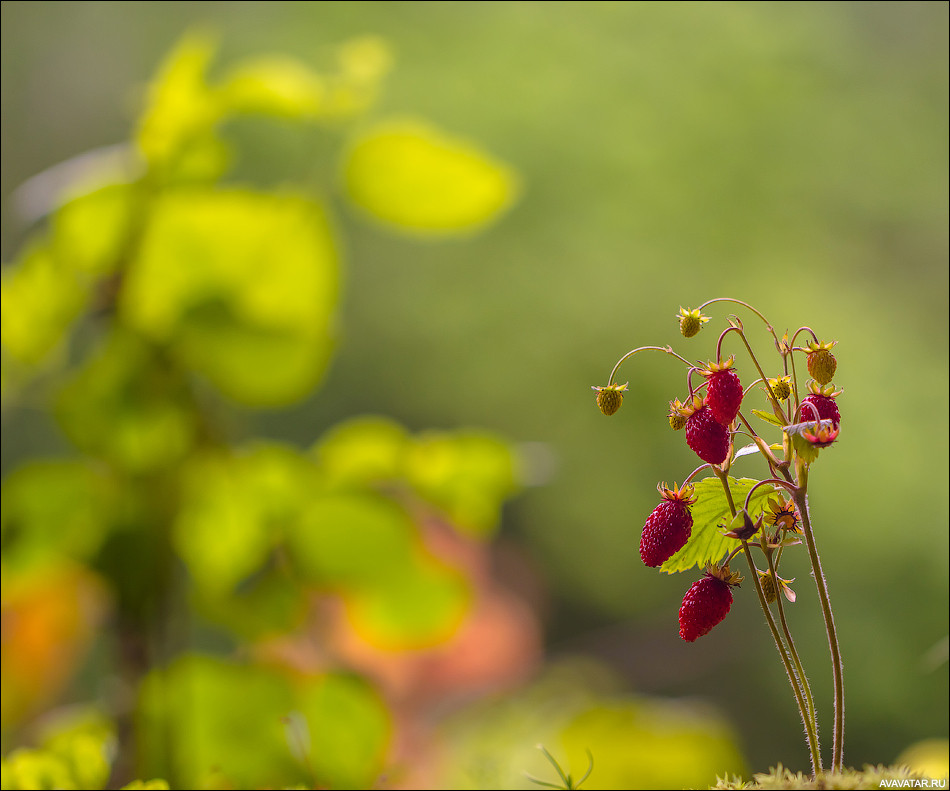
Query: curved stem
point(665, 349)
point(772, 481)
point(801, 500)
point(810, 731)
point(695, 472)
point(745, 305)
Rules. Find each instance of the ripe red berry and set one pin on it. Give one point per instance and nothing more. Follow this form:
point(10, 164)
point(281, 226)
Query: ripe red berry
point(668, 527)
point(823, 401)
point(705, 604)
point(707, 436)
point(724, 391)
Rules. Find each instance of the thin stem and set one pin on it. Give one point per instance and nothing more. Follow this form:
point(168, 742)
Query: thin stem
point(806, 712)
point(803, 679)
point(801, 500)
point(775, 482)
point(810, 731)
point(776, 404)
point(745, 305)
point(665, 349)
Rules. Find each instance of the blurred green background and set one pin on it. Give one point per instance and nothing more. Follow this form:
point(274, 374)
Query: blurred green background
point(793, 155)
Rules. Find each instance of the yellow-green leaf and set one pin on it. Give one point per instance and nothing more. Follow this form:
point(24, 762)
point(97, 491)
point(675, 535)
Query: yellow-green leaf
point(274, 85)
point(38, 301)
point(710, 513)
point(417, 179)
point(181, 107)
point(242, 285)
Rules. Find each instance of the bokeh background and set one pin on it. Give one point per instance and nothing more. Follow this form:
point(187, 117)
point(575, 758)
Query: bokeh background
point(793, 155)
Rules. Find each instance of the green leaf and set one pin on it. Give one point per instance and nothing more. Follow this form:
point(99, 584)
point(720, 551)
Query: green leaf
point(235, 510)
point(768, 417)
point(467, 474)
point(52, 508)
point(710, 513)
point(362, 451)
point(39, 299)
point(420, 604)
point(126, 406)
point(181, 108)
point(243, 286)
point(349, 730)
point(417, 179)
point(224, 724)
point(352, 540)
point(89, 233)
point(146, 785)
point(274, 85)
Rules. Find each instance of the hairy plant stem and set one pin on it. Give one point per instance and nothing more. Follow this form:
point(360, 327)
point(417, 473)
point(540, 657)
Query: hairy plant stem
point(801, 500)
point(806, 712)
point(803, 679)
point(664, 349)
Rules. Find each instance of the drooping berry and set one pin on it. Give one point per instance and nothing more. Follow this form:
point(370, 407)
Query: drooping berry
point(705, 435)
point(724, 391)
point(668, 527)
point(706, 603)
point(781, 387)
point(823, 401)
point(610, 398)
point(770, 589)
point(820, 361)
point(691, 321)
point(676, 418)
point(768, 586)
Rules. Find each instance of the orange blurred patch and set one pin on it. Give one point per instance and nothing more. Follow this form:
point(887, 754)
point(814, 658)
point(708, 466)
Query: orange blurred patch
point(49, 617)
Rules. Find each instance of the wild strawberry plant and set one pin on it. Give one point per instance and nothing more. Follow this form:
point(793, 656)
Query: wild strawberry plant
point(711, 521)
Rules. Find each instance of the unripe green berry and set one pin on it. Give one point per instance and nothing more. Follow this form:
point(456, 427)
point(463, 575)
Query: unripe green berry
point(691, 322)
point(609, 398)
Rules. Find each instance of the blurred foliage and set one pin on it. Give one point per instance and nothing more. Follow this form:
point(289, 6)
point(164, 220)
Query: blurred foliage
point(635, 742)
point(159, 295)
point(794, 155)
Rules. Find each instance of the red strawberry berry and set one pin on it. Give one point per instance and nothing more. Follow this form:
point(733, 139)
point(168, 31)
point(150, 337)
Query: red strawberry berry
point(706, 603)
point(668, 527)
point(707, 436)
point(724, 391)
point(823, 401)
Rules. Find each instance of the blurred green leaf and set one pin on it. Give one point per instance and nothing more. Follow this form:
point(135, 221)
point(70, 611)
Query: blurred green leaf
point(274, 85)
point(225, 723)
point(242, 285)
point(75, 753)
point(352, 540)
point(146, 785)
point(235, 510)
point(349, 730)
point(89, 233)
point(181, 108)
point(467, 474)
point(711, 511)
point(54, 508)
point(127, 405)
point(647, 744)
point(38, 302)
point(35, 770)
point(417, 179)
point(362, 451)
point(419, 604)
